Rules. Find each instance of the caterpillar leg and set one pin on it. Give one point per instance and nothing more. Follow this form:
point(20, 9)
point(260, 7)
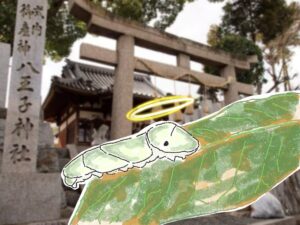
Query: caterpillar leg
point(97, 174)
point(75, 172)
point(91, 163)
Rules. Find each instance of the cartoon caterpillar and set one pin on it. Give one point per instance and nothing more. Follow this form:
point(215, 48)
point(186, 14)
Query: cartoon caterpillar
point(161, 140)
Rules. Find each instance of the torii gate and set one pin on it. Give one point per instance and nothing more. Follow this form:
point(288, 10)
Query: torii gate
point(130, 33)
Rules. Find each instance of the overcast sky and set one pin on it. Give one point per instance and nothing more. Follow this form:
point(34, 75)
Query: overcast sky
point(193, 23)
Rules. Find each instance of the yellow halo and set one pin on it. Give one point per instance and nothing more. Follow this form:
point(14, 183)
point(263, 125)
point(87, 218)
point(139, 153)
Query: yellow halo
point(133, 114)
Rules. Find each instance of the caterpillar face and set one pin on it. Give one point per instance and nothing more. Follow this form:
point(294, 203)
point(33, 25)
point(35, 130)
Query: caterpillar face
point(170, 138)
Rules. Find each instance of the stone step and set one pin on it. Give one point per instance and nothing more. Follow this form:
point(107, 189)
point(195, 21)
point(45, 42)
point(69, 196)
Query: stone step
point(290, 220)
point(53, 222)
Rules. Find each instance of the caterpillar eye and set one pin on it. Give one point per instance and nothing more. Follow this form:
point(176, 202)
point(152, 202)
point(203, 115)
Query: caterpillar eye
point(166, 143)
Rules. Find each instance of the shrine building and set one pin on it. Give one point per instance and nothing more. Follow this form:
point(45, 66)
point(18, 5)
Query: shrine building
point(81, 100)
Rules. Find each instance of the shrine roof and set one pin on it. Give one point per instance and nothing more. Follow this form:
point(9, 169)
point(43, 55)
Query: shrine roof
point(81, 81)
point(87, 79)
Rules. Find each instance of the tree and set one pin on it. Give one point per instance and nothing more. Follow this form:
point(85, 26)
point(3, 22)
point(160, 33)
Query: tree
point(267, 23)
point(63, 29)
point(240, 47)
point(278, 53)
point(258, 20)
point(163, 12)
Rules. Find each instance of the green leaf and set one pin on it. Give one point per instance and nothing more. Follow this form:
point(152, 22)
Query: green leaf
point(247, 148)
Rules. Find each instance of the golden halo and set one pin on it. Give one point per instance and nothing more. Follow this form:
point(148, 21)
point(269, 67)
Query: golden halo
point(134, 114)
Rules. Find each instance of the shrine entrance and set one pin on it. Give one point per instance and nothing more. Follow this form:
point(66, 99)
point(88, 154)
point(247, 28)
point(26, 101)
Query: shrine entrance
point(130, 34)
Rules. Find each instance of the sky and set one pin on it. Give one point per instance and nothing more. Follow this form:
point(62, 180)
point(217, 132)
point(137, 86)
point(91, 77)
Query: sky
point(192, 23)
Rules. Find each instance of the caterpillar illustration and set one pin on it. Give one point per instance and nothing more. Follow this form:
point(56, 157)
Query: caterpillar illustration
point(161, 140)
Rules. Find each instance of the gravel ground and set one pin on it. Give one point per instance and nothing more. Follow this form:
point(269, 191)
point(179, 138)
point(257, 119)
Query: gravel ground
point(220, 219)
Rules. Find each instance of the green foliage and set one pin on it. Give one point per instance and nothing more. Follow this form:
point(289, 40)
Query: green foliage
point(163, 13)
point(240, 47)
point(275, 19)
point(261, 21)
point(7, 20)
point(244, 152)
point(62, 29)
point(256, 19)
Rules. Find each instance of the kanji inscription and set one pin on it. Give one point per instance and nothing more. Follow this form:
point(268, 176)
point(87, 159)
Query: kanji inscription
point(37, 29)
point(24, 127)
point(28, 65)
point(25, 84)
point(23, 47)
point(25, 104)
point(23, 117)
point(18, 153)
point(24, 31)
point(26, 11)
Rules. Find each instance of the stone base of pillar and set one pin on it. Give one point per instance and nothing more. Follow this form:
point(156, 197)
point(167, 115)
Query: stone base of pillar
point(29, 197)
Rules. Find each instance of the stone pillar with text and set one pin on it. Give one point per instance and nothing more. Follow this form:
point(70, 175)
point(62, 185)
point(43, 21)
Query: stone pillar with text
point(123, 88)
point(25, 195)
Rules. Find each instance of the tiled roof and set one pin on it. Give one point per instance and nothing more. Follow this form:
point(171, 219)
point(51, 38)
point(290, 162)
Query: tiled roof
point(95, 80)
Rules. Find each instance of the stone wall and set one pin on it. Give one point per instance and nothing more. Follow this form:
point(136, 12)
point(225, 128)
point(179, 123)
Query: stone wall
point(50, 160)
point(288, 193)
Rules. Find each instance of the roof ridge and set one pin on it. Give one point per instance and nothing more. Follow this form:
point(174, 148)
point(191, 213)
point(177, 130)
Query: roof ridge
point(83, 77)
point(98, 68)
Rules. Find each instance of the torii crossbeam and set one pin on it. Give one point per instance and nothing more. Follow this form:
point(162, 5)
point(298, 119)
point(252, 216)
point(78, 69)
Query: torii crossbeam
point(130, 33)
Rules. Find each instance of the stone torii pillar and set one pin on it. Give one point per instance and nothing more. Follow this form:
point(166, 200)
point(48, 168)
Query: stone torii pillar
point(231, 94)
point(123, 87)
point(184, 61)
